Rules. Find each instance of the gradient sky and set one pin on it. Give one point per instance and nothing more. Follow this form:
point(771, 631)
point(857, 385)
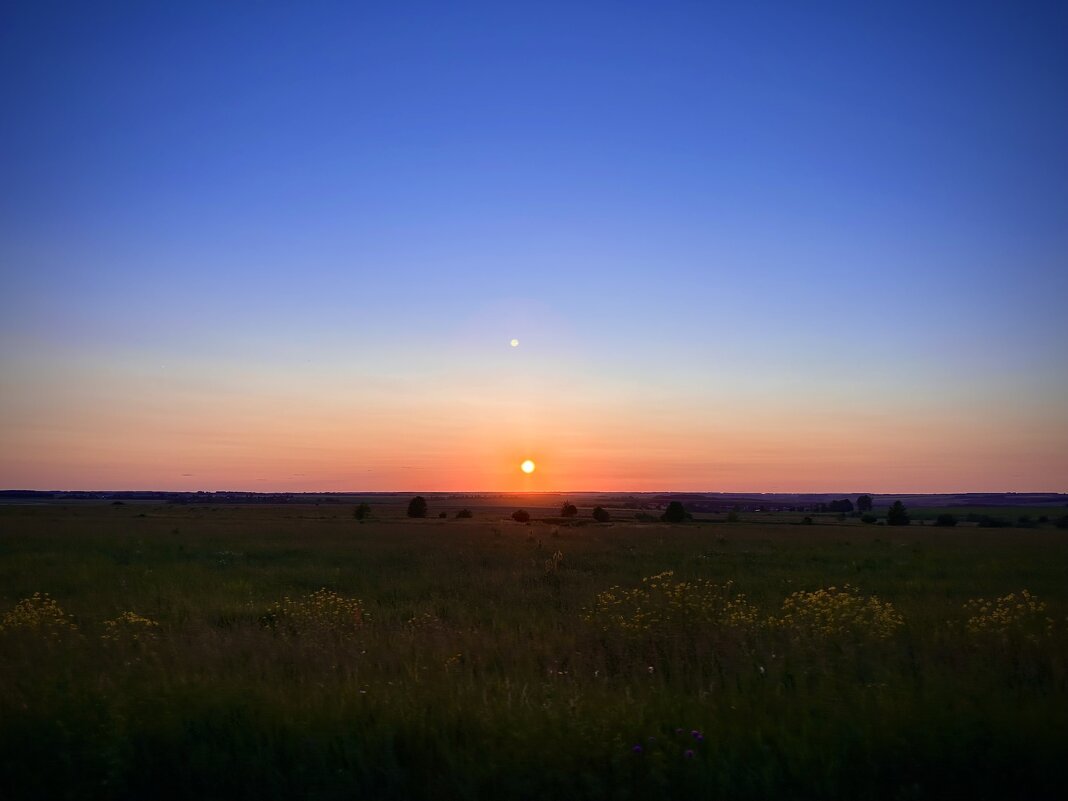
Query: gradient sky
point(779, 247)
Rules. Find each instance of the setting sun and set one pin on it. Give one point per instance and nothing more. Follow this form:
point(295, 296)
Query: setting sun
point(527, 466)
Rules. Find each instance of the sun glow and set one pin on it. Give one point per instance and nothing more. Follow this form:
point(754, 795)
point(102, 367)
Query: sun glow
point(527, 467)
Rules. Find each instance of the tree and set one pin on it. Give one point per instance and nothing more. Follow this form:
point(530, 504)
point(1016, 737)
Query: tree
point(945, 520)
point(568, 510)
point(844, 505)
point(897, 515)
point(362, 512)
point(600, 514)
point(520, 516)
point(464, 513)
point(417, 507)
point(864, 503)
point(675, 513)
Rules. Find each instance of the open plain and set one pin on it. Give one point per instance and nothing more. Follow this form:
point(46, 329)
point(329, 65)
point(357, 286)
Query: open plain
point(296, 652)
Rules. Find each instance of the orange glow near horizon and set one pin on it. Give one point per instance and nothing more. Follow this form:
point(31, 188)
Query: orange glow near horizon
point(209, 428)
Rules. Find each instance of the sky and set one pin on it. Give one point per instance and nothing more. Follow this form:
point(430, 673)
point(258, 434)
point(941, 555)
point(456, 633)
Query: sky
point(748, 246)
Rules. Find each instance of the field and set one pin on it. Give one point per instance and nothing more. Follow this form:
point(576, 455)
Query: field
point(483, 658)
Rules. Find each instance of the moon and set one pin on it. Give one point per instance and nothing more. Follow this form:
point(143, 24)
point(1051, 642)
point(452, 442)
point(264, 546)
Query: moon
point(528, 467)
point(514, 343)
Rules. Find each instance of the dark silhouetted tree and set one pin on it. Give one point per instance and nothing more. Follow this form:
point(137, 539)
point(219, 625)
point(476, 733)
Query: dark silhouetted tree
point(464, 513)
point(675, 513)
point(600, 514)
point(520, 516)
point(568, 510)
point(417, 507)
point(864, 503)
point(362, 512)
point(945, 520)
point(897, 515)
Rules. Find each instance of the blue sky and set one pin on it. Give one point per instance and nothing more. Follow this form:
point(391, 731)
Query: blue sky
point(863, 205)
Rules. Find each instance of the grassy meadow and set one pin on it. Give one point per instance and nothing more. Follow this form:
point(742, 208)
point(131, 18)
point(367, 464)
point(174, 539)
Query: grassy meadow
point(286, 652)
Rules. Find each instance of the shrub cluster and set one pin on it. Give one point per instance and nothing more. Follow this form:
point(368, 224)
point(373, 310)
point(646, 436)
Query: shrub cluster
point(661, 604)
point(1009, 617)
point(322, 612)
point(40, 614)
point(130, 627)
point(834, 612)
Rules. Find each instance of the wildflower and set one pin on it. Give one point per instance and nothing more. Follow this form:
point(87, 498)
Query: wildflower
point(129, 627)
point(39, 613)
point(834, 612)
point(660, 605)
point(319, 613)
point(637, 749)
point(1011, 615)
point(697, 735)
point(688, 753)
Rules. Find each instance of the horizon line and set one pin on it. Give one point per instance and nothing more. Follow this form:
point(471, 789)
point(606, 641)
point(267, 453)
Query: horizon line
point(546, 492)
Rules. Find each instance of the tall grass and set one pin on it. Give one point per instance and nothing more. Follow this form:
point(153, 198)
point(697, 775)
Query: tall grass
point(465, 659)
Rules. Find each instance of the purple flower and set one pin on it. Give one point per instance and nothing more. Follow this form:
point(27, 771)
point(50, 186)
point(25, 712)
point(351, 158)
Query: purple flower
point(688, 753)
point(697, 735)
point(637, 749)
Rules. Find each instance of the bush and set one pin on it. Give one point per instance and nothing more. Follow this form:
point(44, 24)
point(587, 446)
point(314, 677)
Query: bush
point(521, 516)
point(568, 510)
point(130, 627)
point(443, 515)
point(897, 515)
point(1062, 522)
point(38, 614)
point(987, 521)
point(807, 521)
point(464, 514)
point(600, 514)
point(675, 513)
point(417, 507)
point(732, 517)
point(661, 606)
point(1011, 616)
point(362, 512)
point(322, 612)
point(833, 612)
point(868, 518)
point(945, 520)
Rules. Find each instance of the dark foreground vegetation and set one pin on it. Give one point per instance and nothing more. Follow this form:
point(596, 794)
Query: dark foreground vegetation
point(311, 652)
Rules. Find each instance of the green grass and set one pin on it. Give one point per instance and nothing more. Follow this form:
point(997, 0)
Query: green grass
point(503, 690)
